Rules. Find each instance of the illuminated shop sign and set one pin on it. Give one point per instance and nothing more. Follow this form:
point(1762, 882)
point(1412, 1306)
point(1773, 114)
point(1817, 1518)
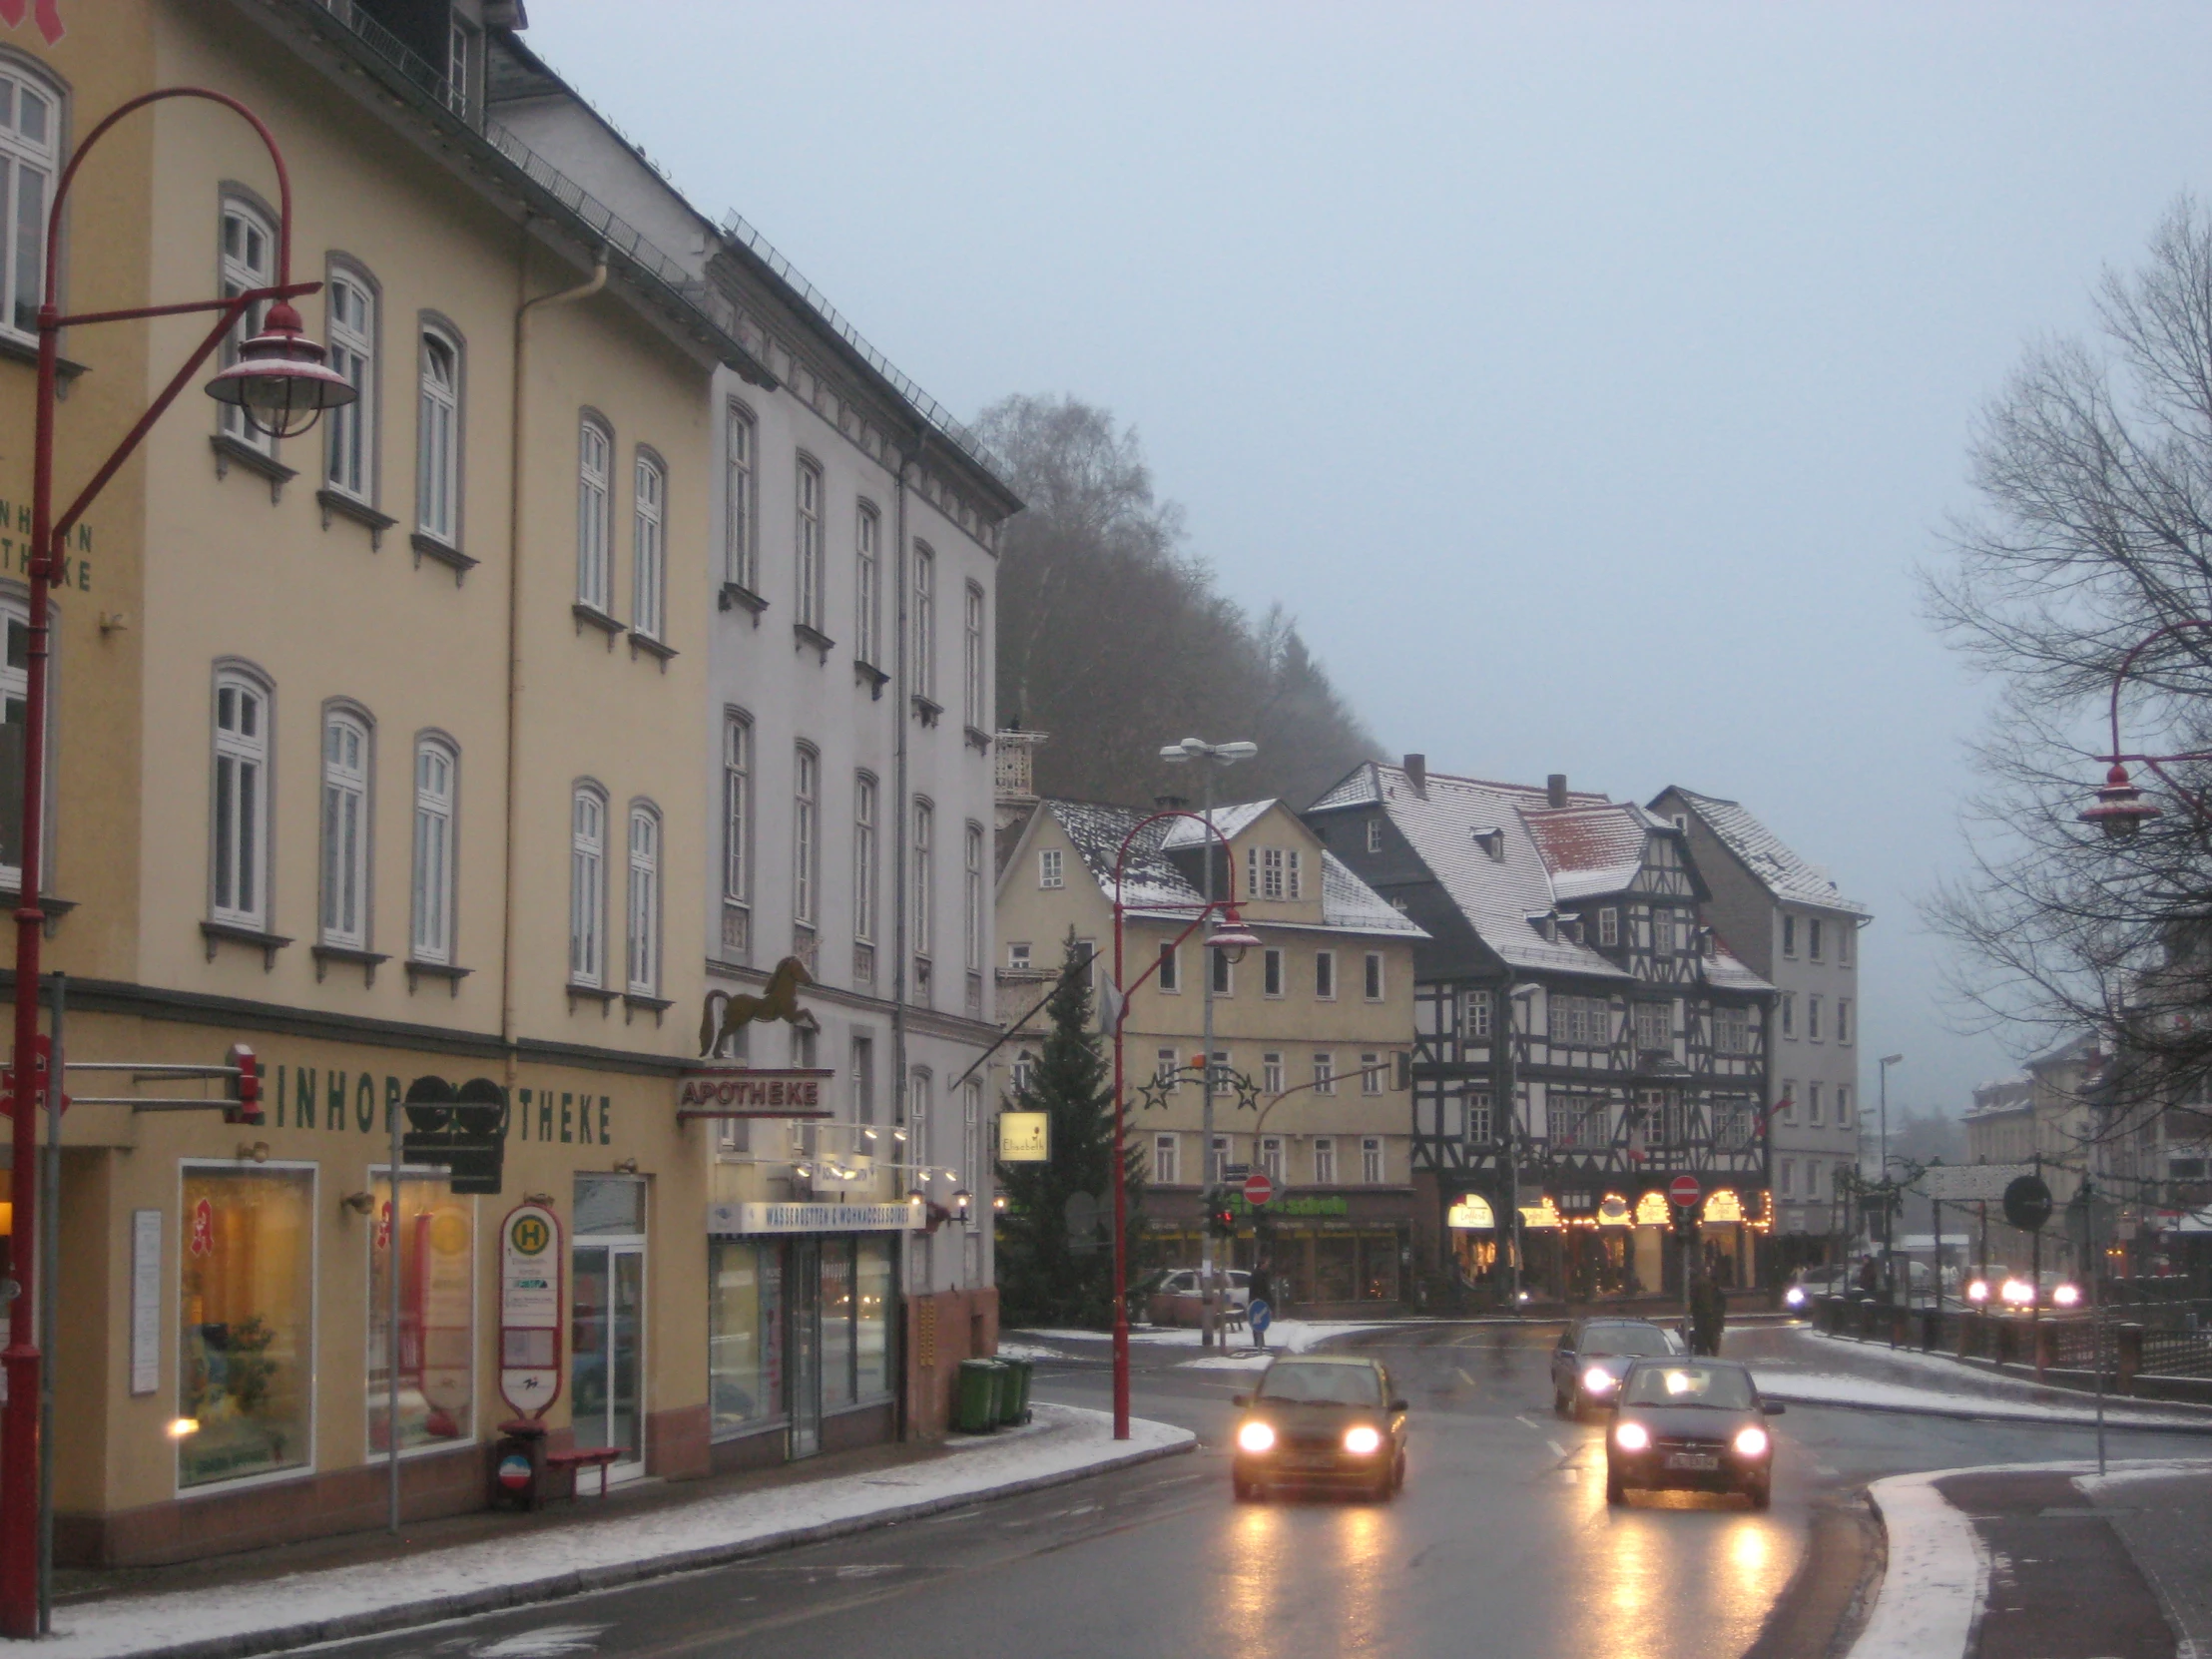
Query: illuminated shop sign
point(728, 1219)
point(744, 1093)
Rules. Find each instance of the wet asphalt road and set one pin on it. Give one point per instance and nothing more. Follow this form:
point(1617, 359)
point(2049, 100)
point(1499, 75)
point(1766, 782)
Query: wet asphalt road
point(1502, 1546)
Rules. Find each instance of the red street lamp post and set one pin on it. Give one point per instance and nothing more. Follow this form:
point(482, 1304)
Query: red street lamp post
point(1230, 935)
point(279, 386)
point(2120, 810)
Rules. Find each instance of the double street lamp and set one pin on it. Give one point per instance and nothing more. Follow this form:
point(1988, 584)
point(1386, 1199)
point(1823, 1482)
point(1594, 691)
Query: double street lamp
point(2119, 808)
point(279, 386)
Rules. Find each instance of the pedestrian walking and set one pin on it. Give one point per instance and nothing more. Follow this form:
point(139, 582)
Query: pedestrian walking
point(1708, 1315)
point(1260, 1289)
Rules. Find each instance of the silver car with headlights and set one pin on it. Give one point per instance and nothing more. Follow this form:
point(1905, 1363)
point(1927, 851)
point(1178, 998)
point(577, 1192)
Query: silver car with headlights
point(1587, 1366)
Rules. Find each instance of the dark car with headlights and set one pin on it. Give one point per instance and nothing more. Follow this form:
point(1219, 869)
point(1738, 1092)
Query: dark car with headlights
point(1698, 1424)
point(1324, 1420)
point(1593, 1356)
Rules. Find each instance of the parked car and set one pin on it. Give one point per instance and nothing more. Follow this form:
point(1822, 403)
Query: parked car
point(1809, 1286)
point(1697, 1423)
point(1176, 1299)
point(1592, 1355)
point(1327, 1420)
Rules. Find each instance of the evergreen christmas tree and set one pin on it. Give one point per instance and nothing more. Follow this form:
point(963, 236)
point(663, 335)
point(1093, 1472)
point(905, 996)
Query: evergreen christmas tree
point(1055, 1261)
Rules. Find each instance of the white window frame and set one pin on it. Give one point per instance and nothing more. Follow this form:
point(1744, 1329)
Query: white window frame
point(806, 833)
point(1165, 1063)
point(649, 552)
point(25, 155)
point(1170, 978)
point(1843, 934)
point(437, 804)
point(978, 912)
point(1373, 1171)
point(1018, 956)
point(1269, 1161)
point(1788, 1015)
point(866, 795)
point(926, 830)
point(1325, 1160)
point(975, 663)
point(1815, 938)
point(239, 800)
point(438, 436)
point(1270, 1072)
point(1788, 1101)
point(594, 459)
point(349, 447)
point(1609, 928)
point(807, 542)
point(868, 539)
point(1325, 1072)
point(1813, 1019)
point(587, 885)
point(344, 897)
point(1478, 1117)
point(1294, 876)
point(1816, 1113)
point(740, 506)
point(1842, 1020)
point(1374, 835)
point(737, 807)
point(1371, 1073)
point(644, 931)
point(1789, 934)
point(924, 666)
point(1479, 1017)
point(1165, 1160)
point(1217, 1163)
point(1051, 867)
point(248, 260)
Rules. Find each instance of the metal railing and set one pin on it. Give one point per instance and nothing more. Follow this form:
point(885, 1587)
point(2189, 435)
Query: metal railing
point(686, 287)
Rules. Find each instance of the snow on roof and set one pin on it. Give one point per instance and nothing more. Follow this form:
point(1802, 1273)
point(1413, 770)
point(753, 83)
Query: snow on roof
point(1497, 896)
point(1592, 849)
point(1153, 883)
point(1729, 971)
point(1766, 855)
point(1232, 822)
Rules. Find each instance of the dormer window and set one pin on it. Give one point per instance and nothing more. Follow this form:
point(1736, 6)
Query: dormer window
point(1492, 841)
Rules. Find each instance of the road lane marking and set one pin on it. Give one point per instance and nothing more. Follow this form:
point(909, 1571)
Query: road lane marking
point(553, 1641)
point(1461, 1373)
point(1527, 1421)
point(1557, 1451)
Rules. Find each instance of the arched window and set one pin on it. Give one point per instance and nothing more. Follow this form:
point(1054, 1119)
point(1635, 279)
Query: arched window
point(438, 440)
point(436, 790)
point(806, 835)
point(594, 458)
point(741, 564)
point(645, 900)
point(587, 885)
point(806, 561)
point(249, 262)
point(345, 757)
point(650, 602)
point(240, 885)
point(30, 124)
point(350, 457)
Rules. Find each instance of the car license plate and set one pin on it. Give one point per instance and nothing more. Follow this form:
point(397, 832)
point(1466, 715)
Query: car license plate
point(1692, 1460)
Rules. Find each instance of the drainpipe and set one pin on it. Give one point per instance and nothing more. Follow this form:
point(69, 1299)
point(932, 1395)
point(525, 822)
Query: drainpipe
point(900, 832)
point(517, 426)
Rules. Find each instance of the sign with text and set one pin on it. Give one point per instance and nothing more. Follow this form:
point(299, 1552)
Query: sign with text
point(530, 1308)
point(726, 1219)
point(741, 1092)
point(1024, 1137)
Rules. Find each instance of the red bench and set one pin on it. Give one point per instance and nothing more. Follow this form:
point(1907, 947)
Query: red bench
point(599, 1457)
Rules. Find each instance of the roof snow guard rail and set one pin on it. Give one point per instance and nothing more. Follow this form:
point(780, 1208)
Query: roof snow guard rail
point(739, 230)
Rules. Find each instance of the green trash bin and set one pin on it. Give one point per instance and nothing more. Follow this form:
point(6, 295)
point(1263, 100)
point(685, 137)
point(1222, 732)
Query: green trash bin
point(975, 1409)
point(1014, 1404)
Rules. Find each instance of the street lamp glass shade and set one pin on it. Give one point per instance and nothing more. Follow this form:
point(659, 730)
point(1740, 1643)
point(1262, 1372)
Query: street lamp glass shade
point(1231, 937)
point(281, 384)
point(2120, 809)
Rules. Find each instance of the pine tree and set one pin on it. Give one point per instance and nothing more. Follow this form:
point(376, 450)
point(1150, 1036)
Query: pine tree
point(1052, 1273)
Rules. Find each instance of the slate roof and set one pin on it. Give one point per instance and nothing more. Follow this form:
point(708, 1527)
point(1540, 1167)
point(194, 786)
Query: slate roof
point(1153, 884)
point(1769, 858)
point(1592, 845)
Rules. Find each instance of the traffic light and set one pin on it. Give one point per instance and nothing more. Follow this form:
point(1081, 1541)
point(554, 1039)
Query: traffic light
point(244, 1087)
point(1221, 1215)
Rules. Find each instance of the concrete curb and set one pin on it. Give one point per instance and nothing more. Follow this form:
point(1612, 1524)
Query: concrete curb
point(586, 1581)
point(1936, 1576)
point(2113, 1421)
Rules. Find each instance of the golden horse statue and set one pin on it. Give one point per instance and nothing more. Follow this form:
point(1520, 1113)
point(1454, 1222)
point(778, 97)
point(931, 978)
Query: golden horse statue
point(779, 1000)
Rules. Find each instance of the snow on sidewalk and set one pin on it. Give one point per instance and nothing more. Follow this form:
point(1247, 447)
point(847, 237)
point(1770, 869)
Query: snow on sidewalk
point(1284, 1337)
point(1062, 1443)
point(1805, 1388)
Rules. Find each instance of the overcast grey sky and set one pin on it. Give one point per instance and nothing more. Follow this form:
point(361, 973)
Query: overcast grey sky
point(1588, 379)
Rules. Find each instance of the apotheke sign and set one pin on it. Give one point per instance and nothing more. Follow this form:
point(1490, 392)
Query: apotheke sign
point(731, 1092)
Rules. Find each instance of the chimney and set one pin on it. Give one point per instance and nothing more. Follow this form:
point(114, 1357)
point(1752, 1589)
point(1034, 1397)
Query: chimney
point(1556, 789)
point(1416, 774)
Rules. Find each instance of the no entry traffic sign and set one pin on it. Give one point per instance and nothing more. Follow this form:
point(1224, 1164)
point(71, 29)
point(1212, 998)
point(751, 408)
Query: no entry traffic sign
point(1257, 1189)
point(1684, 1191)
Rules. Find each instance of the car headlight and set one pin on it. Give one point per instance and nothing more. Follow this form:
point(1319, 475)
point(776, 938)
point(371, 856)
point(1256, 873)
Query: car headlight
point(1255, 1436)
point(2066, 1294)
point(1597, 1380)
point(1750, 1443)
point(1794, 1297)
point(1631, 1436)
point(2018, 1292)
point(1979, 1290)
point(1362, 1441)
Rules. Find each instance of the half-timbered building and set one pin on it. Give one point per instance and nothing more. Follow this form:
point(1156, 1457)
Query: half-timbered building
point(1568, 970)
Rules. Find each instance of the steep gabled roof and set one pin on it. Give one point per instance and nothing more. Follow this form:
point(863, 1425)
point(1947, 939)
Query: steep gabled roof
point(1765, 854)
point(1592, 850)
point(1153, 884)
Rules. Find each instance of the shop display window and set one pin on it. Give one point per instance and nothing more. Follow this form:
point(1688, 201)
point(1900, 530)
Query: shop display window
point(837, 1324)
point(745, 1337)
point(871, 1342)
point(438, 1315)
point(245, 1318)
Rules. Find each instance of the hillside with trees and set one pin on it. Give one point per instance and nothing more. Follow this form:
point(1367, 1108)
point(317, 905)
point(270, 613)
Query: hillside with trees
point(1114, 639)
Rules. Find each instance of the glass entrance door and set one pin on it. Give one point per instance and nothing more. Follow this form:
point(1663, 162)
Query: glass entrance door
point(607, 1368)
point(803, 1297)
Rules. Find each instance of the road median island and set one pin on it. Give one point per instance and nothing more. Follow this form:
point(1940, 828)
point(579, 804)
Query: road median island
point(404, 1590)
